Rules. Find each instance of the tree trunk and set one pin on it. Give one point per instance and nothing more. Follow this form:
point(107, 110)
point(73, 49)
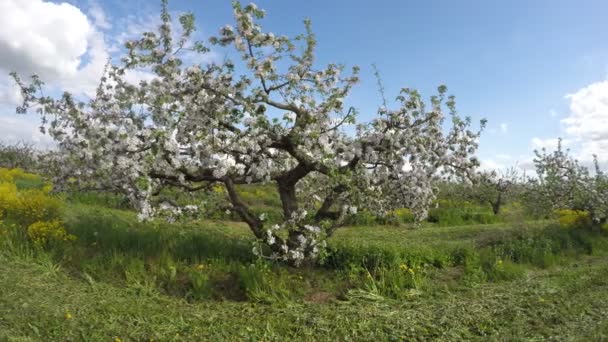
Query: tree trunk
point(254, 223)
point(287, 193)
point(497, 204)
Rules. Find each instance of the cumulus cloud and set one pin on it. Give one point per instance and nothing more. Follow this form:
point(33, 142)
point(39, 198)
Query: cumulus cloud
point(99, 16)
point(42, 37)
point(59, 43)
point(585, 126)
point(10, 94)
point(587, 122)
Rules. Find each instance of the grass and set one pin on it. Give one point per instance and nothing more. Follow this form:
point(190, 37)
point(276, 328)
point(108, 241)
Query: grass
point(264, 199)
point(124, 280)
point(40, 301)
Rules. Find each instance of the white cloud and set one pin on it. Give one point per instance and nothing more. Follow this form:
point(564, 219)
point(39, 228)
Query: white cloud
point(134, 76)
point(9, 92)
point(99, 16)
point(58, 42)
point(588, 120)
point(491, 164)
point(549, 144)
point(42, 37)
point(18, 128)
point(133, 27)
point(67, 48)
point(86, 79)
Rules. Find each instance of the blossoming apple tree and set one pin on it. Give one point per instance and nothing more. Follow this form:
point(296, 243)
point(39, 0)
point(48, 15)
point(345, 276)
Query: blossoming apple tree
point(269, 114)
point(565, 184)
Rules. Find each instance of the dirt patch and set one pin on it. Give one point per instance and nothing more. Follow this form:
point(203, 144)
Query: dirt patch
point(319, 297)
point(449, 275)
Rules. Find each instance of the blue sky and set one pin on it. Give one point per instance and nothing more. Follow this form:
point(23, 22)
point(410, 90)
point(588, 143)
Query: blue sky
point(512, 62)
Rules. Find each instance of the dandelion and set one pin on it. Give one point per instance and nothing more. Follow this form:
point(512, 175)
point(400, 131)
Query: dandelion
point(68, 315)
point(117, 339)
point(200, 267)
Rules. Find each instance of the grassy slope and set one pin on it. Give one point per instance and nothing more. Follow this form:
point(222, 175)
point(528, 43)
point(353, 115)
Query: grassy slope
point(569, 302)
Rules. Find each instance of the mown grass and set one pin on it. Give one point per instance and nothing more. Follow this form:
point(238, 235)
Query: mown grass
point(212, 260)
point(198, 280)
point(40, 301)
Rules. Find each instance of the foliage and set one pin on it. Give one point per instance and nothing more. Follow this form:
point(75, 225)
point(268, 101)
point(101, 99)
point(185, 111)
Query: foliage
point(25, 201)
point(44, 232)
point(283, 120)
point(574, 218)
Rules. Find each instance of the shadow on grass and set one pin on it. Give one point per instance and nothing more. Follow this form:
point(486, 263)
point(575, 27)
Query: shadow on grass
point(112, 231)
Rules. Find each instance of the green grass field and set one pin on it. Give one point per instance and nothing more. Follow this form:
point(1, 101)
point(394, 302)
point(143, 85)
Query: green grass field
point(122, 280)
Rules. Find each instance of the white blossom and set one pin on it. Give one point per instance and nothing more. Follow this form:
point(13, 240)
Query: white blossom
point(208, 124)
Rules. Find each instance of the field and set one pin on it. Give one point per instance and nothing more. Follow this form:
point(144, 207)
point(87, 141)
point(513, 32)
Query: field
point(116, 279)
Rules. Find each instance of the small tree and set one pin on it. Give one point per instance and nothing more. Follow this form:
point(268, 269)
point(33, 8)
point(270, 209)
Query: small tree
point(493, 187)
point(565, 184)
point(272, 117)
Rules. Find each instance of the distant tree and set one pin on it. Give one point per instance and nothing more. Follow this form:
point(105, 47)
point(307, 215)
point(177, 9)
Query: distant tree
point(18, 155)
point(565, 184)
point(494, 187)
point(272, 117)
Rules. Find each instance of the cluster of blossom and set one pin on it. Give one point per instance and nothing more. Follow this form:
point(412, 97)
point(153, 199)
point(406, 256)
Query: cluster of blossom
point(303, 241)
point(172, 212)
point(284, 120)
